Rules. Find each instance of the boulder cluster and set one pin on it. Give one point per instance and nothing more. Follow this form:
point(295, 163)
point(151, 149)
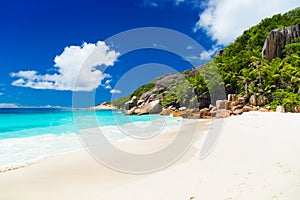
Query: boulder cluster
point(141, 107)
point(236, 106)
point(223, 108)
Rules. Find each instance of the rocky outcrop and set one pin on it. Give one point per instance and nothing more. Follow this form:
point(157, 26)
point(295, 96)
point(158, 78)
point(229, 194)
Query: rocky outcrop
point(166, 111)
point(278, 39)
point(154, 107)
point(130, 104)
point(221, 104)
point(131, 111)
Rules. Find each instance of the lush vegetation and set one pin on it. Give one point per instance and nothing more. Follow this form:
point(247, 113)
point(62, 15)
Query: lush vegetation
point(243, 71)
point(141, 90)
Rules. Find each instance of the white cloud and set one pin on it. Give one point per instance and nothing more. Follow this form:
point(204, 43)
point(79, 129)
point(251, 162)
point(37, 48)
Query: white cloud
point(76, 69)
point(204, 55)
point(8, 105)
point(106, 84)
point(224, 20)
point(115, 91)
point(107, 81)
point(107, 87)
point(207, 55)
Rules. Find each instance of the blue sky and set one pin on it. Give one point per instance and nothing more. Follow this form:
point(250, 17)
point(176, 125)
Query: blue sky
point(44, 43)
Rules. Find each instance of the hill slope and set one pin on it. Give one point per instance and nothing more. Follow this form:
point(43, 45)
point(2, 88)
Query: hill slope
point(244, 71)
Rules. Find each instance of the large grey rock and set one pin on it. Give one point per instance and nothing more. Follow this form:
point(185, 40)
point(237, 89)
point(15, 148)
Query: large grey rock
point(153, 97)
point(278, 39)
point(145, 96)
point(127, 106)
point(168, 80)
point(130, 104)
point(154, 107)
point(140, 102)
point(133, 98)
point(221, 104)
point(193, 103)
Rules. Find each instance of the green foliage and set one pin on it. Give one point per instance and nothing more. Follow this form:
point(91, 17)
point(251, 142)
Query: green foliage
point(245, 72)
point(180, 95)
point(120, 102)
point(239, 54)
point(287, 99)
point(141, 90)
point(183, 93)
point(154, 92)
point(169, 99)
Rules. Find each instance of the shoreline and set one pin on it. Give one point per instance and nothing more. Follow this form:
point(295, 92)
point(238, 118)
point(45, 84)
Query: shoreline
point(255, 158)
point(111, 129)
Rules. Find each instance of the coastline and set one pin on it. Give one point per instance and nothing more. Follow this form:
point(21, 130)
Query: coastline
point(49, 145)
point(255, 158)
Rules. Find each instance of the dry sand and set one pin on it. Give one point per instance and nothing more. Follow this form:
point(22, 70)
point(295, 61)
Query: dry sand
point(255, 158)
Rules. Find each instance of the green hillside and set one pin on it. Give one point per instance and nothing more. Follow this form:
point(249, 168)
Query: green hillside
point(244, 71)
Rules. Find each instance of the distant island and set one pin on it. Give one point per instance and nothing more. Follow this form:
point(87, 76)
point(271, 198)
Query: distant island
point(103, 106)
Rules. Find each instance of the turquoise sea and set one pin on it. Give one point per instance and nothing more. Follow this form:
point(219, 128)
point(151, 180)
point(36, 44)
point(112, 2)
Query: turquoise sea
point(29, 134)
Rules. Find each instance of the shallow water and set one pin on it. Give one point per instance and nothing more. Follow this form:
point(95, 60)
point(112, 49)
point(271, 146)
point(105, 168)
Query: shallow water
point(29, 134)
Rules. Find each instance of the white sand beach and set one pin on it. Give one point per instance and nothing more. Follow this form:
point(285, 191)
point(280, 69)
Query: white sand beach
point(256, 157)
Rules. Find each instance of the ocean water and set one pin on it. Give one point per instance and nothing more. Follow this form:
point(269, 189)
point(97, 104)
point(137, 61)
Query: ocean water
point(29, 134)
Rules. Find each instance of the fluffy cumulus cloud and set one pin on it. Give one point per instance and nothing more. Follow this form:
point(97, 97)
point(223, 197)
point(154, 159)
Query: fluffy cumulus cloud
point(115, 91)
point(224, 20)
point(76, 69)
